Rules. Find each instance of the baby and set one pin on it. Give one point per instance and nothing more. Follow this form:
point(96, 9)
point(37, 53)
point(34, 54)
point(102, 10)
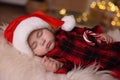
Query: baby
point(42, 41)
point(63, 48)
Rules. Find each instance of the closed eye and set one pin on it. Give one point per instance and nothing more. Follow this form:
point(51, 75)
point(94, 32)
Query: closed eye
point(34, 45)
point(39, 33)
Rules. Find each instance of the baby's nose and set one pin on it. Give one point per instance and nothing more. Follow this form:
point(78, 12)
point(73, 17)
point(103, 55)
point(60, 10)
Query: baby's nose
point(43, 41)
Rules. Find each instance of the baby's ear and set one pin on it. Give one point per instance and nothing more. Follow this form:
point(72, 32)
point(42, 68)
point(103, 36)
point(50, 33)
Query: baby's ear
point(69, 23)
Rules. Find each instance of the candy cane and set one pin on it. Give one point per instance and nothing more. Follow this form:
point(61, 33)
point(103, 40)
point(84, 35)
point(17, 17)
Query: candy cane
point(88, 32)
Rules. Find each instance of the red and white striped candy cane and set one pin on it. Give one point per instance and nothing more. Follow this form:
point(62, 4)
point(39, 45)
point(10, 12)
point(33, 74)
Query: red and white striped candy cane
point(88, 32)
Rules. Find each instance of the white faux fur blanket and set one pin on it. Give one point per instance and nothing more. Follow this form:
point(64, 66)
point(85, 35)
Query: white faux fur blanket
point(15, 66)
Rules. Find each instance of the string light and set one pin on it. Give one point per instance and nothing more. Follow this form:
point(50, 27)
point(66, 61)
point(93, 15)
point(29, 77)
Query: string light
point(62, 11)
point(84, 17)
point(118, 23)
point(110, 7)
point(113, 23)
point(78, 19)
point(103, 5)
point(93, 4)
point(118, 14)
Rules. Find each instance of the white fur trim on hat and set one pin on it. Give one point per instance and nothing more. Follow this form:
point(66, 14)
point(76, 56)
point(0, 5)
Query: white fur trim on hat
point(23, 30)
point(69, 23)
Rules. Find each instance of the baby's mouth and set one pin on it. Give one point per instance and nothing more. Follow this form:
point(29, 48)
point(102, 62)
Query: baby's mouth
point(48, 45)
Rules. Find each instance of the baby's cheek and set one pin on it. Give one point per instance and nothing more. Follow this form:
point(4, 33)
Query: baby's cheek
point(36, 52)
point(52, 46)
point(39, 52)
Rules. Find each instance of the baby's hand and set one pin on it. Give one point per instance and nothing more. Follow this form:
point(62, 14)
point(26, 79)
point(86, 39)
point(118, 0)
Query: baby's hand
point(51, 65)
point(106, 38)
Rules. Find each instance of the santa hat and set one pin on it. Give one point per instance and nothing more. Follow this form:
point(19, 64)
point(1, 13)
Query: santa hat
point(18, 30)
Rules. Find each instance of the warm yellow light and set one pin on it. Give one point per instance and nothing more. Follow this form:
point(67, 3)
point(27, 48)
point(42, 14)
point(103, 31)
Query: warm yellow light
point(62, 11)
point(115, 18)
point(78, 19)
point(93, 4)
point(84, 14)
point(113, 23)
point(85, 19)
point(116, 8)
point(110, 4)
point(101, 5)
point(108, 8)
point(113, 8)
point(118, 23)
point(118, 14)
point(103, 2)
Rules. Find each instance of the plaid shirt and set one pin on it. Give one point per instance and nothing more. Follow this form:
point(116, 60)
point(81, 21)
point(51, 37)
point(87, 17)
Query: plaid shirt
point(72, 50)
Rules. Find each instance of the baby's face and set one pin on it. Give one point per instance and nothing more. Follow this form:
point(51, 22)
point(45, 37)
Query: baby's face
point(41, 41)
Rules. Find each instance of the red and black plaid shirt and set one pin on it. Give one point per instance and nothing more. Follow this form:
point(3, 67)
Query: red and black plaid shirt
point(72, 50)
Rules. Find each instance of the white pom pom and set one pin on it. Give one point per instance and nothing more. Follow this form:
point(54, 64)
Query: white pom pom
point(69, 23)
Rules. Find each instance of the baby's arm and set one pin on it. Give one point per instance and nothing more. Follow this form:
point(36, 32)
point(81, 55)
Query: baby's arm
point(58, 66)
point(51, 65)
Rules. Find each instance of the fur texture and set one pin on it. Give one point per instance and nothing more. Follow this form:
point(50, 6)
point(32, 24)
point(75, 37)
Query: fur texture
point(16, 66)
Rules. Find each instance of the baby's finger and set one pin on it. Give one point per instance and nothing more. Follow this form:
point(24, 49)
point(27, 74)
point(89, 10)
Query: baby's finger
point(54, 66)
point(111, 40)
point(51, 64)
point(44, 59)
point(48, 62)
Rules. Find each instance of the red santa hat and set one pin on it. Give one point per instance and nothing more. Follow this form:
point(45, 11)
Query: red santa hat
point(18, 30)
